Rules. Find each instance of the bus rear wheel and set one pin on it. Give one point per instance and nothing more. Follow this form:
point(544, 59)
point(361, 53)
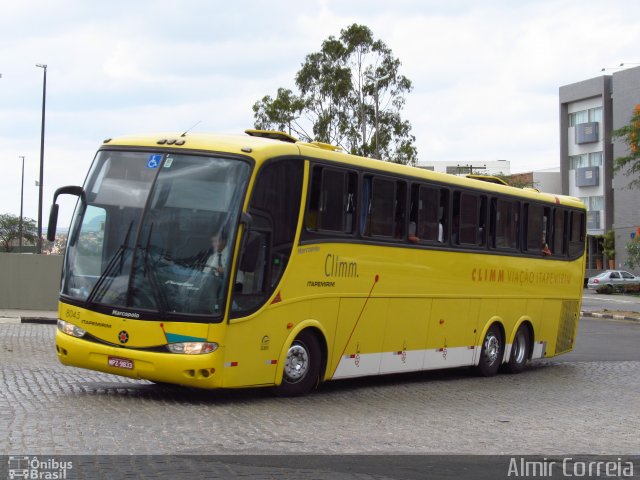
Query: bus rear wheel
point(491, 353)
point(520, 350)
point(302, 366)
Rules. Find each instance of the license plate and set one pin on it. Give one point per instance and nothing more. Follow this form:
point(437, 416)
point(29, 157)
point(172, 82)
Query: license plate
point(121, 363)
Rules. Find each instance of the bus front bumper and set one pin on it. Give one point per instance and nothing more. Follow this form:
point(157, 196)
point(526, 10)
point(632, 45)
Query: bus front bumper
point(201, 371)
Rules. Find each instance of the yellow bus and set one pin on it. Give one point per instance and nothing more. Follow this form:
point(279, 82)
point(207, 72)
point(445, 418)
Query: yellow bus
point(222, 261)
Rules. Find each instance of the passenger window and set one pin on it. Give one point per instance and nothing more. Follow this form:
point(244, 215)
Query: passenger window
point(331, 201)
point(385, 214)
point(428, 214)
point(559, 221)
point(469, 219)
point(535, 233)
point(576, 235)
point(505, 224)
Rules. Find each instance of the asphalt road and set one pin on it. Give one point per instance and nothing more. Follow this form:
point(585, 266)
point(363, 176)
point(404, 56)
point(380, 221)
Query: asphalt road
point(592, 301)
point(605, 340)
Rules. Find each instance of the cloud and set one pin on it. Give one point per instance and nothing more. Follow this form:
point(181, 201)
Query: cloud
point(485, 75)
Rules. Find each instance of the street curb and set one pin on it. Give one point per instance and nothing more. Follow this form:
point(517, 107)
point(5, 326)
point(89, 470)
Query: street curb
point(608, 316)
point(40, 320)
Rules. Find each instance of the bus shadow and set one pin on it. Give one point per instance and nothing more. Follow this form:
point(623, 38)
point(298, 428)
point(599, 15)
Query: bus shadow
point(187, 395)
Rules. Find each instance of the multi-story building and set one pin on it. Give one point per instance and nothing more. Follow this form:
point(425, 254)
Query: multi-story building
point(589, 111)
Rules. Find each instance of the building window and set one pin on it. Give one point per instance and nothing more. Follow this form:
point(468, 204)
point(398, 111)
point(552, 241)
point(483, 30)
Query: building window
point(577, 118)
point(595, 114)
point(595, 203)
point(593, 159)
point(584, 116)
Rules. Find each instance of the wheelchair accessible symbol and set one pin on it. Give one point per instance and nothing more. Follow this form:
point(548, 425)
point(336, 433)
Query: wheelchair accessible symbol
point(154, 161)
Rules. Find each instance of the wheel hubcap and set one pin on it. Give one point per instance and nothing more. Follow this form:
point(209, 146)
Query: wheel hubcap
point(297, 363)
point(491, 348)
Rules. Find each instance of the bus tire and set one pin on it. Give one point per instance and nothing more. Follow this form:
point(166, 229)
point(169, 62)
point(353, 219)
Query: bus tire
point(491, 353)
point(301, 372)
point(520, 351)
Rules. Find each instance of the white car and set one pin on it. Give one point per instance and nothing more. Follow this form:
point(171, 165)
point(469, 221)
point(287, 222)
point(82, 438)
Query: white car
point(615, 279)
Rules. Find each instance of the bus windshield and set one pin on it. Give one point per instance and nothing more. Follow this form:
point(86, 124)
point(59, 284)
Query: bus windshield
point(155, 231)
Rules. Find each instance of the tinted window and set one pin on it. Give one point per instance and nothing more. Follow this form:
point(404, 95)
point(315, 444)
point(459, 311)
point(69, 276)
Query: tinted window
point(386, 201)
point(576, 235)
point(274, 208)
point(505, 219)
point(538, 229)
point(559, 243)
point(331, 201)
point(429, 209)
point(469, 218)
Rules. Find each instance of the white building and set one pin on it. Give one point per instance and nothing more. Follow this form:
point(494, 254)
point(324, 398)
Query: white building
point(494, 167)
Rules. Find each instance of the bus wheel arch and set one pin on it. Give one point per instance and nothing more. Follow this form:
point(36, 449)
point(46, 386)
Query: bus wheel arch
point(491, 350)
point(303, 363)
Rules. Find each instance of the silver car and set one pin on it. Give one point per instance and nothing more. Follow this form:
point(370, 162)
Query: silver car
point(615, 279)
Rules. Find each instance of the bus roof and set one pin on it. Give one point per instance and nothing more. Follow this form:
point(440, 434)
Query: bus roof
point(263, 145)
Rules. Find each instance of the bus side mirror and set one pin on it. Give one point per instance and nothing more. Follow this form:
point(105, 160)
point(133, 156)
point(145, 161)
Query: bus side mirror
point(53, 214)
point(251, 251)
point(53, 222)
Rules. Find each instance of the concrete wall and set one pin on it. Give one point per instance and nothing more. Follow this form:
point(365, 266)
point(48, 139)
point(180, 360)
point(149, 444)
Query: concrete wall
point(29, 282)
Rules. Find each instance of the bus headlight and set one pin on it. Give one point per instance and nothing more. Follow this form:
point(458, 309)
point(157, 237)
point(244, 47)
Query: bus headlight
point(70, 329)
point(192, 348)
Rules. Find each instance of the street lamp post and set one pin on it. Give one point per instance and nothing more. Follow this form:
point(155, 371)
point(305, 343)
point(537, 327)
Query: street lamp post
point(44, 98)
point(21, 202)
point(375, 96)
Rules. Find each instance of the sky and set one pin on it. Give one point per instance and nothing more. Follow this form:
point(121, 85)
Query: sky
point(485, 74)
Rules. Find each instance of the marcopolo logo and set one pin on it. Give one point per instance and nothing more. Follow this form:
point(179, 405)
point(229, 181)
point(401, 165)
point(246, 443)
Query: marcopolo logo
point(118, 313)
point(38, 468)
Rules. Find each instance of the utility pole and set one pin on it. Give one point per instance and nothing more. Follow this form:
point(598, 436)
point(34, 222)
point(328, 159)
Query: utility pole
point(21, 201)
point(44, 97)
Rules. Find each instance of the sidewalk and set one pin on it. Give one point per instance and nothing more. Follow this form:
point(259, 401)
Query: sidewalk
point(28, 316)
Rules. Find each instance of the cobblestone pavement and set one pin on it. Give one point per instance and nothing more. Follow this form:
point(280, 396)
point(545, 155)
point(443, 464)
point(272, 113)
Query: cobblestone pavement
point(552, 408)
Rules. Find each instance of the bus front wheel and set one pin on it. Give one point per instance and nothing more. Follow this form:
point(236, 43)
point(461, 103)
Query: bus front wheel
point(302, 366)
point(492, 352)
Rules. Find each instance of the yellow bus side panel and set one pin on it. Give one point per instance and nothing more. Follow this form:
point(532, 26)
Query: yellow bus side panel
point(405, 335)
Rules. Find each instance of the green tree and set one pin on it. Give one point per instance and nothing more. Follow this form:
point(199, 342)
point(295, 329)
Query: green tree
point(10, 230)
point(633, 253)
point(630, 134)
point(347, 87)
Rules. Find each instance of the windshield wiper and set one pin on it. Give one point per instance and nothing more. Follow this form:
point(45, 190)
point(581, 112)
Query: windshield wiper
point(117, 256)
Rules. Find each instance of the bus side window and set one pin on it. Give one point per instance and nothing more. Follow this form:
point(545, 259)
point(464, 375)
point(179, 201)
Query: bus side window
point(534, 228)
point(332, 203)
point(468, 227)
point(430, 204)
point(559, 232)
point(505, 223)
point(576, 235)
point(386, 213)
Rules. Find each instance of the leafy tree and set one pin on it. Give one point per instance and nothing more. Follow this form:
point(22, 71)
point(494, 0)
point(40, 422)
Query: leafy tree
point(340, 89)
point(10, 230)
point(630, 134)
point(633, 253)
